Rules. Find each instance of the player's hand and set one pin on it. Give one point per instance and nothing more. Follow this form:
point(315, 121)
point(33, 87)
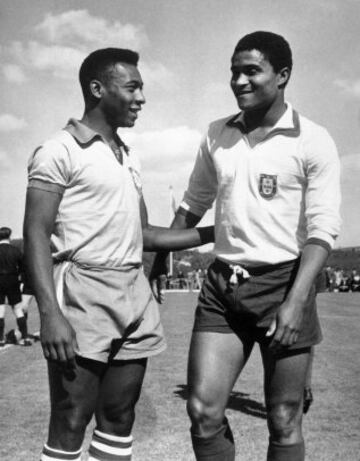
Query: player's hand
point(157, 279)
point(286, 326)
point(157, 287)
point(58, 340)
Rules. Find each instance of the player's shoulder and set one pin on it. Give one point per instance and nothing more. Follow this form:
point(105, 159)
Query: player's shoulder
point(59, 145)
point(61, 139)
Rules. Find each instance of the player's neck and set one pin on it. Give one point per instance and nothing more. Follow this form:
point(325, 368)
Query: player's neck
point(97, 123)
point(265, 118)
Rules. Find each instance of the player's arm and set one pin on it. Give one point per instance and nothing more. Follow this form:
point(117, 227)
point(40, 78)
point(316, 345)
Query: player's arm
point(322, 202)
point(183, 220)
point(157, 238)
point(57, 336)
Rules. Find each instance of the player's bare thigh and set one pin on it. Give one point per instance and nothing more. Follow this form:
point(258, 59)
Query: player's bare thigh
point(215, 361)
point(119, 392)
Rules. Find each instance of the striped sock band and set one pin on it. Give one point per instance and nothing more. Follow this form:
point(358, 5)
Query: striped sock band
point(106, 447)
point(52, 454)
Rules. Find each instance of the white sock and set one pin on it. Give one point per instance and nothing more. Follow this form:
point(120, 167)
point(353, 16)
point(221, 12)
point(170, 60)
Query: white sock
point(107, 447)
point(53, 454)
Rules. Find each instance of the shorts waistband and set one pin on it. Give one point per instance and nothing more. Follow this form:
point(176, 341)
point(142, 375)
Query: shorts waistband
point(99, 267)
point(257, 270)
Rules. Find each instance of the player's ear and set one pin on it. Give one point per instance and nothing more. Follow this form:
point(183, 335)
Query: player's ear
point(283, 76)
point(96, 88)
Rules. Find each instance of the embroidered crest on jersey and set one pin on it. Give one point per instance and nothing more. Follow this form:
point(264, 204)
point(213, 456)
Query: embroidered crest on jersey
point(268, 185)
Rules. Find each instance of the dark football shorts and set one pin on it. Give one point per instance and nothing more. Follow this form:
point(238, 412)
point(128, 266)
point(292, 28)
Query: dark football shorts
point(9, 290)
point(248, 307)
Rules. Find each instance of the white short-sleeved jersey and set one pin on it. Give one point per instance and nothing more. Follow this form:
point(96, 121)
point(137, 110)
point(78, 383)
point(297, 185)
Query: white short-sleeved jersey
point(98, 221)
point(270, 198)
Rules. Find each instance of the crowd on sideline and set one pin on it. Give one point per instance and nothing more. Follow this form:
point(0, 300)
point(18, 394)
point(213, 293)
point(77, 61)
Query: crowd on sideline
point(340, 280)
point(332, 279)
point(190, 281)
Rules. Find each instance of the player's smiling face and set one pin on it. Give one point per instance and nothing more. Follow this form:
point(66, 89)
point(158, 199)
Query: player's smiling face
point(254, 81)
point(122, 96)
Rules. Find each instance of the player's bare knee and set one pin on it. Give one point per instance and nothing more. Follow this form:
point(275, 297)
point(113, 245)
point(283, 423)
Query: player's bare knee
point(70, 415)
point(73, 420)
point(283, 420)
point(204, 415)
point(116, 419)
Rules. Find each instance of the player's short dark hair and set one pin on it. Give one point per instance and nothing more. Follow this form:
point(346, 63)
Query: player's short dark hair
point(273, 46)
point(99, 62)
point(5, 233)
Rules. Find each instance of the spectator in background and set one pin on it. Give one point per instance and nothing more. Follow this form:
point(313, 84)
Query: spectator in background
point(181, 278)
point(355, 280)
point(338, 273)
point(10, 270)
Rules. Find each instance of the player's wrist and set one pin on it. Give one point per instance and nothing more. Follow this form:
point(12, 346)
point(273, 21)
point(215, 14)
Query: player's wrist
point(297, 299)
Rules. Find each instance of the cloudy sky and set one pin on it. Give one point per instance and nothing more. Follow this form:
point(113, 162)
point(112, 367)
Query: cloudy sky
point(185, 48)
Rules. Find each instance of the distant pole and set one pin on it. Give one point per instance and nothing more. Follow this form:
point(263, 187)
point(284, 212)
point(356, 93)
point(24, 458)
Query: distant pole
point(172, 211)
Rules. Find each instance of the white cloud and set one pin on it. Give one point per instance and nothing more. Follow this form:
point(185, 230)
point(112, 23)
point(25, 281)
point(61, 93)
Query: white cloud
point(79, 26)
point(4, 159)
point(9, 122)
point(349, 87)
point(167, 158)
point(165, 150)
point(156, 74)
point(348, 162)
point(350, 189)
point(350, 173)
point(66, 39)
point(62, 61)
point(14, 73)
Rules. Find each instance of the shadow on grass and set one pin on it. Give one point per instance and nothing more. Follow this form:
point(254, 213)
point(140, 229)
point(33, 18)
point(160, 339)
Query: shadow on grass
point(238, 401)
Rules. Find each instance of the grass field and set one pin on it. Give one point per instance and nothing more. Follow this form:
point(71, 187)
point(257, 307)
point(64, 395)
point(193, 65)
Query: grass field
point(332, 427)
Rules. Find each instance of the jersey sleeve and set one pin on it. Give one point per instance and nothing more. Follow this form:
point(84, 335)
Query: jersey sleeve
point(202, 187)
point(49, 167)
point(323, 196)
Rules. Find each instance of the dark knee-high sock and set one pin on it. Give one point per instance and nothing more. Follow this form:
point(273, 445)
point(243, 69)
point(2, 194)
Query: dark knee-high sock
point(279, 452)
point(22, 324)
point(218, 447)
point(2, 329)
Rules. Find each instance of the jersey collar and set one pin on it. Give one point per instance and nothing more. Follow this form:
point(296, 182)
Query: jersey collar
point(85, 135)
point(287, 125)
